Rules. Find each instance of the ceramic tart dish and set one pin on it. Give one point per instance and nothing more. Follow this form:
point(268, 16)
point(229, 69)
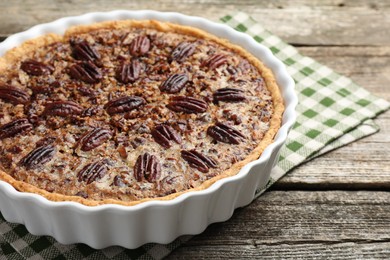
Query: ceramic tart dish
point(129, 127)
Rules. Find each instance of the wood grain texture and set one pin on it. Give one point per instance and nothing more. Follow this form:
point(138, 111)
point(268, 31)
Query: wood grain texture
point(294, 219)
point(326, 22)
point(300, 224)
point(349, 250)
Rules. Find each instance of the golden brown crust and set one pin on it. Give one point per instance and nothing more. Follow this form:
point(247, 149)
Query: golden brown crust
point(28, 46)
point(18, 52)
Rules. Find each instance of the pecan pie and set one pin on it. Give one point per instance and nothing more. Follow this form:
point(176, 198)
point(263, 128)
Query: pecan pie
point(129, 111)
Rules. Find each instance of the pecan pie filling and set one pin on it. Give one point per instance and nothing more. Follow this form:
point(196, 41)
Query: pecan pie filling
point(129, 113)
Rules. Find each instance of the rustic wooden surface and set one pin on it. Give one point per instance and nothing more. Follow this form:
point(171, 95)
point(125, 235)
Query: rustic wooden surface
point(336, 206)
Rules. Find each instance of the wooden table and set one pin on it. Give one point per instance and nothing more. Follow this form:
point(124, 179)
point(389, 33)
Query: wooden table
point(334, 206)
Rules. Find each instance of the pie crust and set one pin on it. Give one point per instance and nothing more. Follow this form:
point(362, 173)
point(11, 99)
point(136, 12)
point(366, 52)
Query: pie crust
point(18, 54)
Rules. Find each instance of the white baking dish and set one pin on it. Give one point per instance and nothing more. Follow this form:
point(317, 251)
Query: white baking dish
point(151, 221)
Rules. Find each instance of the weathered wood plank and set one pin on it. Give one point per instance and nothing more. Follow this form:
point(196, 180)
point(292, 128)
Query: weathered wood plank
point(300, 224)
point(377, 250)
point(328, 22)
point(293, 224)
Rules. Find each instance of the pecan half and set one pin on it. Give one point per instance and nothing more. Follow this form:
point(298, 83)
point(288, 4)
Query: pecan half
point(84, 51)
point(129, 72)
point(198, 161)
point(214, 61)
point(229, 95)
point(187, 105)
point(224, 133)
point(36, 68)
point(147, 166)
point(15, 127)
point(182, 52)
point(92, 171)
point(139, 45)
point(38, 157)
point(94, 138)
point(85, 71)
point(163, 135)
point(174, 83)
point(62, 108)
point(123, 104)
point(13, 94)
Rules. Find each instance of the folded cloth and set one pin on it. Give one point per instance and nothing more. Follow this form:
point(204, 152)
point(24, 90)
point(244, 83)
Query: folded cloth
point(332, 112)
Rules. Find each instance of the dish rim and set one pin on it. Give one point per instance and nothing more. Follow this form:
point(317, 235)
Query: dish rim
point(290, 99)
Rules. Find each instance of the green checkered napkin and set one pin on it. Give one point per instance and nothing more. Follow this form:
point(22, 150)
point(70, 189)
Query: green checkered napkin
point(333, 111)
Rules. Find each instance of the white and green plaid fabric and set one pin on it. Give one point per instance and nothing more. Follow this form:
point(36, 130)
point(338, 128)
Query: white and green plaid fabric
point(332, 112)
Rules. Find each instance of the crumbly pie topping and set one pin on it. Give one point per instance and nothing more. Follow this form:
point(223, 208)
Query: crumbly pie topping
point(129, 113)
